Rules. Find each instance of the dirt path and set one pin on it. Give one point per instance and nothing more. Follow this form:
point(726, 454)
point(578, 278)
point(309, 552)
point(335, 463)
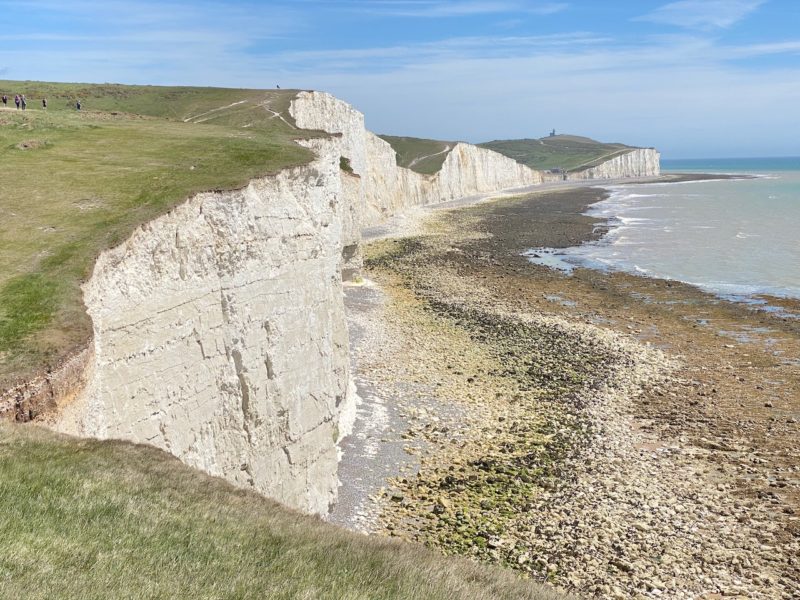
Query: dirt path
point(600, 159)
point(275, 114)
point(197, 119)
point(419, 159)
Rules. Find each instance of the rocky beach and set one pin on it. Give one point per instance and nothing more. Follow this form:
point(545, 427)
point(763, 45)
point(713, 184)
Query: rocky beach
point(617, 436)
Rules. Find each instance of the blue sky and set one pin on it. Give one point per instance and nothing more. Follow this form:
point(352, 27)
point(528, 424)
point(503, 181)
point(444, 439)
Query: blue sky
point(695, 78)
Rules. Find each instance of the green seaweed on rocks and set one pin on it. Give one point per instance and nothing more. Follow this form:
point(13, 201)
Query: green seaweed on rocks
point(649, 471)
point(526, 382)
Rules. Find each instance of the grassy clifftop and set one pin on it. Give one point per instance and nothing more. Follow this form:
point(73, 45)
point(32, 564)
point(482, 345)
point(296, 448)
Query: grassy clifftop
point(567, 152)
point(221, 106)
point(74, 183)
point(420, 155)
point(94, 520)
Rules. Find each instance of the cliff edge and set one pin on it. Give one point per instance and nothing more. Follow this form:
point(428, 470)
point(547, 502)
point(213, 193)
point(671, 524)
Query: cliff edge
point(218, 328)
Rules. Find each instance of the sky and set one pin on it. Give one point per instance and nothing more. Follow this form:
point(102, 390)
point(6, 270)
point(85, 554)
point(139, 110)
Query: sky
point(694, 78)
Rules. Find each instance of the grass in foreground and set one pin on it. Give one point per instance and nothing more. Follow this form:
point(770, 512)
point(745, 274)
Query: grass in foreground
point(90, 519)
point(74, 183)
point(567, 152)
point(420, 155)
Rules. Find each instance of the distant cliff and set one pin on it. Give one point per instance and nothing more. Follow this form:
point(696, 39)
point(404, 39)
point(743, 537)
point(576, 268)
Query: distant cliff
point(579, 156)
point(640, 162)
point(386, 188)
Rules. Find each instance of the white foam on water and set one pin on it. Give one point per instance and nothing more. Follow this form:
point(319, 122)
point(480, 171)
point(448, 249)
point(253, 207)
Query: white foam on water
point(733, 237)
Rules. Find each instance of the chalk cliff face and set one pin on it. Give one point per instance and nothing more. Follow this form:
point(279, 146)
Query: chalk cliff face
point(642, 162)
point(219, 330)
point(386, 188)
point(219, 335)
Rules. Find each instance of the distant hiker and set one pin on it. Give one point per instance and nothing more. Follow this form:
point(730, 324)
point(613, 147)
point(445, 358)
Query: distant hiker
point(16, 100)
point(5, 100)
point(78, 105)
point(44, 103)
point(23, 102)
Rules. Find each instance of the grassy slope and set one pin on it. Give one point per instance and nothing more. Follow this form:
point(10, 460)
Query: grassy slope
point(73, 183)
point(568, 152)
point(90, 519)
point(420, 155)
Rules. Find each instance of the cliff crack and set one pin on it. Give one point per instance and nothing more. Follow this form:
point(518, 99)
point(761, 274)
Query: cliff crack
point(244, 388)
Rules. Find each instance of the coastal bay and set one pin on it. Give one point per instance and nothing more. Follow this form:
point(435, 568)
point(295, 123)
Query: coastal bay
point(616, 435)
point(400, 300)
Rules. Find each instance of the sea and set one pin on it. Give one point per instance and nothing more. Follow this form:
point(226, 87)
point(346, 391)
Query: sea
point(738, 238)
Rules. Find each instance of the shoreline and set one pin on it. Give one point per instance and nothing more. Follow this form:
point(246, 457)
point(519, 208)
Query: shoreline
point(409, 221)
point(678, 413)
point(783, 305)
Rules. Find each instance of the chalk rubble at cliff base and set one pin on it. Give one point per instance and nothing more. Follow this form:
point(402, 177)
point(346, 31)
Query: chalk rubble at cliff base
point(625, 511)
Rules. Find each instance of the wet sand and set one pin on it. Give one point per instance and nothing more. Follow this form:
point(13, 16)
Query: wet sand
point(615, 435)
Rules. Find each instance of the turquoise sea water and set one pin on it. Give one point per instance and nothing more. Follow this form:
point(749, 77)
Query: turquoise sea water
point(731, 165)
point(731, 237)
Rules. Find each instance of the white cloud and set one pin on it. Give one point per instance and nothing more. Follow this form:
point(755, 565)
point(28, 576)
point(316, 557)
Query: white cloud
point(388, 58)
point(754, 50)
point(114, 16)
point(702, 14)
point(444, 8)
point(688, 94)
point(453, 9)
point(548, 8)
point(682, 94)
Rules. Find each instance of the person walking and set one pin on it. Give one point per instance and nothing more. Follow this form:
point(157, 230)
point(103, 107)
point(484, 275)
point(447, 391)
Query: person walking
point(5, 100)
point(23, 102)
point(16, 100)
point(78, 105)
point(44, 103)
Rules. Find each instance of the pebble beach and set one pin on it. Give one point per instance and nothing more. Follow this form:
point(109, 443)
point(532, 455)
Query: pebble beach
point(614, 435)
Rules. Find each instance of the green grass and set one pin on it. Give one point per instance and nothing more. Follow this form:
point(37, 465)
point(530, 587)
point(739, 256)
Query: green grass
point(176, 103)
point(420, 155)
point(74, 183)
point(94, 520)
point(567, 152)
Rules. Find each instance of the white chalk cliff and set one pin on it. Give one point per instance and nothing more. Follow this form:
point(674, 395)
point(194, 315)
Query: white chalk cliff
point(219, 336)
point(639, 162)
point(386, 188)
point(219, 328)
